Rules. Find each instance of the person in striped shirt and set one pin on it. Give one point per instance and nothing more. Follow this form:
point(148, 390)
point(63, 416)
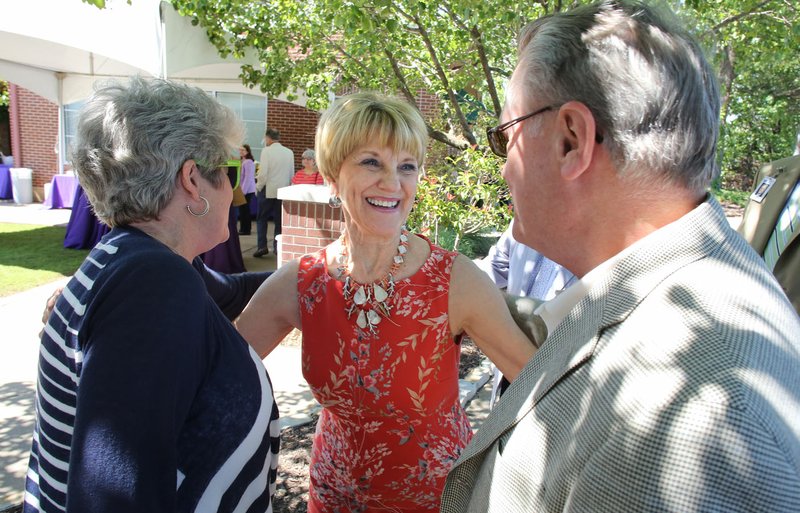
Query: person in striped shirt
point(309, 174)
point(147, 398)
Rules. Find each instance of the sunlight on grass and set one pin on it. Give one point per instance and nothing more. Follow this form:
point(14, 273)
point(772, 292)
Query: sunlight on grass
point(33, 255)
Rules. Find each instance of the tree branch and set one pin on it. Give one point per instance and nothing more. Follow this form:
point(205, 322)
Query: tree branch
point(423, 33)
point(401, 79)
point(433, 134)
point(342, 51)
point(477, 39)
point(737, 17)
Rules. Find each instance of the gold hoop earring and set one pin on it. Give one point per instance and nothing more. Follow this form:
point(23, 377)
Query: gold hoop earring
point(205, 210)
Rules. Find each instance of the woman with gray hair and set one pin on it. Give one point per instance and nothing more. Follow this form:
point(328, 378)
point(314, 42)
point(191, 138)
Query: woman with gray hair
point(139, 370)
point(309, 174)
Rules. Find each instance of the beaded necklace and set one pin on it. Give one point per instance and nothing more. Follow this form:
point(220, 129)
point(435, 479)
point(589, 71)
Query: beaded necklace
point(370, 301)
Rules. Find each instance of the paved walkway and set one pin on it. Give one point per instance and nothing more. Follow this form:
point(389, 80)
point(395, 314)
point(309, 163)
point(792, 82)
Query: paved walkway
point(20, 316)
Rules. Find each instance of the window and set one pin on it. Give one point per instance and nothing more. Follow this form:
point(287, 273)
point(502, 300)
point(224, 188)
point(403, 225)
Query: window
point(250, 108)
point(71, 112)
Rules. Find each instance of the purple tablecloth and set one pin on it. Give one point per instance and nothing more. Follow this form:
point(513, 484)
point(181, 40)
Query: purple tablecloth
point(5, 182)
point(62, 193)
point(227, 256)
point(84, 230)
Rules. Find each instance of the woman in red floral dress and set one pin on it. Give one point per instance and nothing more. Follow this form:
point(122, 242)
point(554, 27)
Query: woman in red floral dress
point(381, 312)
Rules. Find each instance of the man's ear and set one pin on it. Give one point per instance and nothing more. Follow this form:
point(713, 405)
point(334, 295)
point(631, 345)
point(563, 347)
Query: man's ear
point(577, 130)
point(188, 179)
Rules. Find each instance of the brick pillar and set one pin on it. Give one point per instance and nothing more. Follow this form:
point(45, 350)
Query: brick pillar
point(309, 223)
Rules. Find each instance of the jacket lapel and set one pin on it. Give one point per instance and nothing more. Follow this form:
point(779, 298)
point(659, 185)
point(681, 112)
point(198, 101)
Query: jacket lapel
point(570, 345)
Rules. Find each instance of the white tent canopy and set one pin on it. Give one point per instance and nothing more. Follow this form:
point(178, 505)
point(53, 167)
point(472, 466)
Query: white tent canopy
point(59, 48)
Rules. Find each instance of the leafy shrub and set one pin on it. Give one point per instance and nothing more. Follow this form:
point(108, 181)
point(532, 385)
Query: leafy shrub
point(460, 196)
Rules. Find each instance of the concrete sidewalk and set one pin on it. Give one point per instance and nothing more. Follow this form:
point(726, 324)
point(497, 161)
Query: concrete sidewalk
point(20, 316)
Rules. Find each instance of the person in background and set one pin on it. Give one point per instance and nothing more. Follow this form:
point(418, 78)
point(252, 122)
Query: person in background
point(381, 312)
point(521, 272)
point(670, 376)
point(248, 184)
point(309, 174)
point(139, 369)
point(275, 171)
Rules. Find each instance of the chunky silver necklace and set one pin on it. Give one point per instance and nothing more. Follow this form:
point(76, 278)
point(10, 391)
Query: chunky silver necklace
point(370, 302)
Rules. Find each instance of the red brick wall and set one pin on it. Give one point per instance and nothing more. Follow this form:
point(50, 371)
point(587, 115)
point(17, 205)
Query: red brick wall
point(428, 105)
point(307, 227)
point(37, 120)
point(296, 124)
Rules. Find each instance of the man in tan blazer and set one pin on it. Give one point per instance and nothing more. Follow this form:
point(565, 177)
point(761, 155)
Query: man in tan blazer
point(276, 168)
point(775, 183)
point(670, 377)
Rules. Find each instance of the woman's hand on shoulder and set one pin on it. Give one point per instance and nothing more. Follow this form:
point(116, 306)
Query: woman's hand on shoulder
point(477, 307)
point(272, 312)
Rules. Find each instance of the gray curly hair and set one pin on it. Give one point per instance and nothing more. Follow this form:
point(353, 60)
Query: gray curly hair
point(133, 138)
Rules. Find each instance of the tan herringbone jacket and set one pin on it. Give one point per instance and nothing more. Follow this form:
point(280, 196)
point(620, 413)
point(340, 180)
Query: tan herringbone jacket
point(673, 386)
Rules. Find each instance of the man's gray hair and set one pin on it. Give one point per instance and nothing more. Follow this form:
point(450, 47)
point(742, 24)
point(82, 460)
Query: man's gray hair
point(647, 82)
point(133, 138)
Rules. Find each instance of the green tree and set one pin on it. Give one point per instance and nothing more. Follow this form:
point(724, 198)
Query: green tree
point(457, 50)
point(755, 45)
point(461, 196)
point(462, 52)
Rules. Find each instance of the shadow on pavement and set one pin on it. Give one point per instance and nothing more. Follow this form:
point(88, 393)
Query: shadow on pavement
point(16, 429)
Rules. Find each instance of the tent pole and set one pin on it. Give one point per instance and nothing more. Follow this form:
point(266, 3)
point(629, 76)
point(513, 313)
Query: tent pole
point(60, 77)
point(162, 47)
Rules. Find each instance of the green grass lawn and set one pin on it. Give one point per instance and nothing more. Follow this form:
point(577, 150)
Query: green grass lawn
point(33, 255)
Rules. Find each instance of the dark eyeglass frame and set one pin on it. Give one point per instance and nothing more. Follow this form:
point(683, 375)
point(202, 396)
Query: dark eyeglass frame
point(498, 142)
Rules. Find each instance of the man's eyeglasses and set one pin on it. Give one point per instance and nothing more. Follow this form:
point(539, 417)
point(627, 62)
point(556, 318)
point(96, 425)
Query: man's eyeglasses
point(498, 142)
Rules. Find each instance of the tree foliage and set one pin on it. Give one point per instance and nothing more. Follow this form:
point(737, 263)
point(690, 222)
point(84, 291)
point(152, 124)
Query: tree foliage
point(462, 51)
point(457, 50)
point(755, 44)
point(461, 195)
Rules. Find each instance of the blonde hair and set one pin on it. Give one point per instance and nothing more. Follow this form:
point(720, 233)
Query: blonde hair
point(367, 116)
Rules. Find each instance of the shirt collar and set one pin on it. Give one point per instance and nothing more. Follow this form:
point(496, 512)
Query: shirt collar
point(554, 311)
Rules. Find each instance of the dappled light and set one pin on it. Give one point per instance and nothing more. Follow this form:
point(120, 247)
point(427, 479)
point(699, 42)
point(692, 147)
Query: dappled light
point(16, 430)
point(668, 386)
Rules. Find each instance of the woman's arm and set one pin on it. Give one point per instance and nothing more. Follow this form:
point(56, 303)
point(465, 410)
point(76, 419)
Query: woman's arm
point(272, 312)
point(230, 292)
point(478, 308)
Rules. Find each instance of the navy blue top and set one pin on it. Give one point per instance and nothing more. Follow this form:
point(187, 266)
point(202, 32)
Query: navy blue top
point(230, 292)
point(148, 399)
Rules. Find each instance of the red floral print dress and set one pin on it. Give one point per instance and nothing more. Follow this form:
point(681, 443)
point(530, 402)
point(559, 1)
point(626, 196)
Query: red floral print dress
point(392, 424)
